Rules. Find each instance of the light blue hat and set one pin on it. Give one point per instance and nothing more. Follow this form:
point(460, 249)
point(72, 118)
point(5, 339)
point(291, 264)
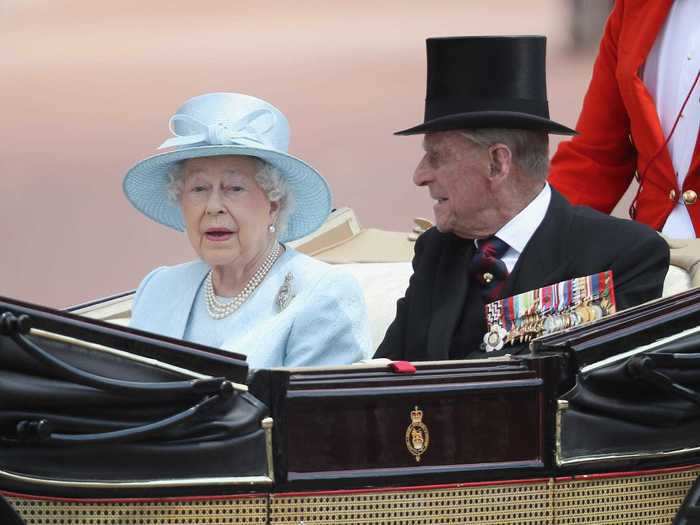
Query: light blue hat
point(229, 124)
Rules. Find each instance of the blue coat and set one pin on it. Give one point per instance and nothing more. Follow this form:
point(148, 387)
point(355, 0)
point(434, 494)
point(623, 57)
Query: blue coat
point(324, 324)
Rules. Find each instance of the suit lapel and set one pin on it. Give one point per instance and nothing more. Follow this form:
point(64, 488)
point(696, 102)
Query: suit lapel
point(545, 257)
point(448, 295)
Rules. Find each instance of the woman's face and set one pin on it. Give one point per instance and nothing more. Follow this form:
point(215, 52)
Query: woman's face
point(227, 215)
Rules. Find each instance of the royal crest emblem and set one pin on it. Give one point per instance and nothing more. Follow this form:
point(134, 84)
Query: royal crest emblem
point(417, 434)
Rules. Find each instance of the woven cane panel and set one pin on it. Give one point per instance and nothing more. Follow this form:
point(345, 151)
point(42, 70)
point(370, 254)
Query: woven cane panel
point(201, 512)
point(641, 500)
point(524, 504)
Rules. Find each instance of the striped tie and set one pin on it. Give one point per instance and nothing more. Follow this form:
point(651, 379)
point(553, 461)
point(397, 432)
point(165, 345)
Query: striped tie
point(488, 269)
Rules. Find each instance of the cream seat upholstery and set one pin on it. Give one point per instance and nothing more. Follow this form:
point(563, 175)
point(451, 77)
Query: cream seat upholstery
point(383, 284)
point(677, 280)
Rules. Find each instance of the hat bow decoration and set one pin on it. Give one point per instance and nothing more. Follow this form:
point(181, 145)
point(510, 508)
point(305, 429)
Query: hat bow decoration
point(247, 131)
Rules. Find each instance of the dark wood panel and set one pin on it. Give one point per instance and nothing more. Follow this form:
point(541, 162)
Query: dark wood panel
point(465, 427)
point(486, 418)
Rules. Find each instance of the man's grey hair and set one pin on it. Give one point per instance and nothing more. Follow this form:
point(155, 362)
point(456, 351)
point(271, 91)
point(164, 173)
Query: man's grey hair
point(530, 149)
point(267, 176)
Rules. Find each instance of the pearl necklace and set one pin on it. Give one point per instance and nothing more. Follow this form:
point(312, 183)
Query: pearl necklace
point(218, 309)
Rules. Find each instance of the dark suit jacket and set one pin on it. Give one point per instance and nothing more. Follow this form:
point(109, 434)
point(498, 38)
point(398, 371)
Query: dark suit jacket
point(570, 242)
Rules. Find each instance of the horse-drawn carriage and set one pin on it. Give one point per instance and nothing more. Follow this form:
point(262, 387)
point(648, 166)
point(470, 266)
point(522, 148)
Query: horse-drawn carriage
point(101, 424)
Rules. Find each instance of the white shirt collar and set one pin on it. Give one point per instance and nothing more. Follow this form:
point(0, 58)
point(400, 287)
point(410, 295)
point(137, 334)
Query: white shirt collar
point(518, 231)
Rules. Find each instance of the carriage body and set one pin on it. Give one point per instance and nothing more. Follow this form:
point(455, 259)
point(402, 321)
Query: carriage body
point(526, 439)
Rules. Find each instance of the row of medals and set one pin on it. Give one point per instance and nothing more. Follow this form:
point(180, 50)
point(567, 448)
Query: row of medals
point(534, 325)
point(583, 313)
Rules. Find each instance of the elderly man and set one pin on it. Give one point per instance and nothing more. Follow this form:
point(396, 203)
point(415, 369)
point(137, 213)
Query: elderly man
point(501, 230)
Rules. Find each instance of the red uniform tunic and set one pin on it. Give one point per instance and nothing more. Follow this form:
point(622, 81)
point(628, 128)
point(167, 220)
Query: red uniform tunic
point(620, 130)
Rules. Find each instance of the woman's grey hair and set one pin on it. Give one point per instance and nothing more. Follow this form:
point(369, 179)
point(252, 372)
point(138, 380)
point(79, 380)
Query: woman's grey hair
point(267, 176)
point(530, 149)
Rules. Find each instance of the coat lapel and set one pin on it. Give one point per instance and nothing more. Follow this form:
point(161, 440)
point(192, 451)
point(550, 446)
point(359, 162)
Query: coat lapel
point(183, 291)
point(545, 257)
point(448, 295)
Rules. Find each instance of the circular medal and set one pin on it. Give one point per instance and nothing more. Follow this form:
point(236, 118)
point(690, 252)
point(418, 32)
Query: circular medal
point(582, 314)
point(495, 338)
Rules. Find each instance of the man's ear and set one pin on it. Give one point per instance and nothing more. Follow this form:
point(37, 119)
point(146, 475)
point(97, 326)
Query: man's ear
point(500, 161)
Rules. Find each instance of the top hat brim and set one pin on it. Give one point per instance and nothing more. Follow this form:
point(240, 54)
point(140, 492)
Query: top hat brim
point(489, 119)
point(145, 186)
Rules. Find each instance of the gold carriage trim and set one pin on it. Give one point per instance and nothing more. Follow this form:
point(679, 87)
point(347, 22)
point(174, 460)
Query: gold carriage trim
point(640, 498)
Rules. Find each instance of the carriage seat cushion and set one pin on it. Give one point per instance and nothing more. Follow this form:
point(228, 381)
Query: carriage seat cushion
point(677, 280)
point(383, 284)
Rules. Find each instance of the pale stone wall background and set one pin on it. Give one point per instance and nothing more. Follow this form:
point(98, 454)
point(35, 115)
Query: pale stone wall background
point(86, 89)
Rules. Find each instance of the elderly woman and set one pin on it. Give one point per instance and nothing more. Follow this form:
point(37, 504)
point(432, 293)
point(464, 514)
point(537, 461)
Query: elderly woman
point(231, 185)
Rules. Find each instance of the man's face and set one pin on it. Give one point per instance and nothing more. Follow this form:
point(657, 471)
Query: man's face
point(456, 171)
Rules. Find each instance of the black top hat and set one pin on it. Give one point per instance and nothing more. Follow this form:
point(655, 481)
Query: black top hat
point(487, 82)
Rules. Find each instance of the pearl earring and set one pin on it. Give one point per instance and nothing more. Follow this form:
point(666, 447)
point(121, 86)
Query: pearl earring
point(271, 228)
